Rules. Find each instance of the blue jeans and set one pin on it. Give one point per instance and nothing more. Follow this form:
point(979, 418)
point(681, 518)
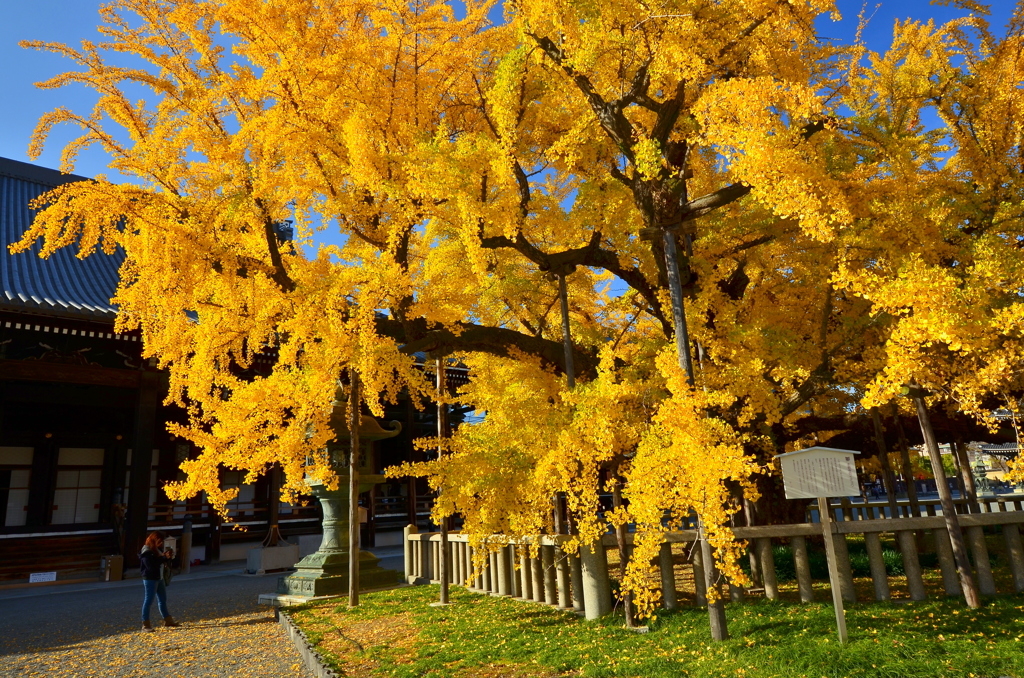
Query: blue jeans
point(154, 588)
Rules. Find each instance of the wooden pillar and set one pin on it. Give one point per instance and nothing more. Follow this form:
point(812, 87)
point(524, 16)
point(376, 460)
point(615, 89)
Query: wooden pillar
point(802, 565)
point(143, 442)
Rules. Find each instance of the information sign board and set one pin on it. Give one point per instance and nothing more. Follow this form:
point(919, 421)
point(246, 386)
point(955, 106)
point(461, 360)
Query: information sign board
point(819, 472)
point(37, 577)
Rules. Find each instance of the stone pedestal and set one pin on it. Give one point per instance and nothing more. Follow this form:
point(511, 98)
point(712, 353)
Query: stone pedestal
point(325, 573)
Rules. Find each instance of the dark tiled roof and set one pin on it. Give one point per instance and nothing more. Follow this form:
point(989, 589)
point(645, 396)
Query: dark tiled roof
point(62, 285)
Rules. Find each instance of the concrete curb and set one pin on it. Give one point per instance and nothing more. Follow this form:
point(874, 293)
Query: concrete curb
point(309, 655)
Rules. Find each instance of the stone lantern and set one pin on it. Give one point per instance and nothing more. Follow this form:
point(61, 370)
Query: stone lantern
point(325, 573)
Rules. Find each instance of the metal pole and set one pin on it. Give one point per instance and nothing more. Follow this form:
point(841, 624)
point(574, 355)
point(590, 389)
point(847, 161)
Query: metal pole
point(442, 432)
point(716, 610)
point(353, 489)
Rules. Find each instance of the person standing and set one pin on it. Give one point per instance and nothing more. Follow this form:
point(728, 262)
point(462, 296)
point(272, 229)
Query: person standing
point(153, 559)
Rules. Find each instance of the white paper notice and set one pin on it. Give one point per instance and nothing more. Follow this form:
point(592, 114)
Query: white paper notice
point(37, 577)
point(819, 473)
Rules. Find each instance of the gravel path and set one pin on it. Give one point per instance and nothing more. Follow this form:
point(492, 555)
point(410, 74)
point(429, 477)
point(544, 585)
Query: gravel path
point(93, 630)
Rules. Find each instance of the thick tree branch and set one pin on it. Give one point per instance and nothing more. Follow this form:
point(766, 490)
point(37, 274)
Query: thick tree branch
point(416, 336)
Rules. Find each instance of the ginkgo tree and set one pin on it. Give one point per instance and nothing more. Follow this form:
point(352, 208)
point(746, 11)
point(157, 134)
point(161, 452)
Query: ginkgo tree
point(700, 153)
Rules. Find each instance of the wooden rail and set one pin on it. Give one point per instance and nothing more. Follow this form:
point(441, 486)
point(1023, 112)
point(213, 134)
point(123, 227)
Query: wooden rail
point(581, 581)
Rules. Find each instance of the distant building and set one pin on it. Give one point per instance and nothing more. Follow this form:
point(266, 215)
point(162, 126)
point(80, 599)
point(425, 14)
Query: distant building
point(83, 442)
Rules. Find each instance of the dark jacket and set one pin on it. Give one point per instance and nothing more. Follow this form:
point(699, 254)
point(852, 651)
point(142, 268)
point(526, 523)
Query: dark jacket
point(150, 562)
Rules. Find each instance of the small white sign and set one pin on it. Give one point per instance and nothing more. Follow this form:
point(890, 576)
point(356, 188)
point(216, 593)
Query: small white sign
point(819, 472)
point(37, 577)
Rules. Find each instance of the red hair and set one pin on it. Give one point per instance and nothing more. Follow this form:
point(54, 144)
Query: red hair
point(154, 539)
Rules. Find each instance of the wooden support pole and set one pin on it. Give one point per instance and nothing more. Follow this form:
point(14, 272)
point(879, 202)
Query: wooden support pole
point(908, 469)
point(956, 536)
point(888, 478)
point(960, 454)
point(833, 570)
point(802, 565)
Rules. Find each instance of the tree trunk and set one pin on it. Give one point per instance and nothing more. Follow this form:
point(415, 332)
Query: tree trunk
point(956, 536)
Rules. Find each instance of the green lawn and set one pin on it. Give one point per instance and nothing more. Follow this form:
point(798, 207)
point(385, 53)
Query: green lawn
point(397, 633)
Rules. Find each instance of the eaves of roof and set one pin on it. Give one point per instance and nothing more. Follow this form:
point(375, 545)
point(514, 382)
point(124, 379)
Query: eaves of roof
point(62, 285)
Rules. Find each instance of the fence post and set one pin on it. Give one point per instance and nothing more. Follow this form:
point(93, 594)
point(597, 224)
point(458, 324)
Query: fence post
point(435, 561)
point(947, 563)
point(803, 569)
point(699, 584)
point(550, 580)
point(1011, 535)
point(912, 565)
point(767, 558)
point(668, 577)
point(410, 575)
point(537, 576)
point(562, 567)
point(576, 574)
point(492, 572)
point(982, 566)
point(878, 575)
point(843, 556)
point(501, 571)
point(525, 574)
point(513, 574)
point(596, 587)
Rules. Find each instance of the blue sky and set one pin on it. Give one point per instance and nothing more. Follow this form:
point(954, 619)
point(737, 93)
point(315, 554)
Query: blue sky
point(71, 21)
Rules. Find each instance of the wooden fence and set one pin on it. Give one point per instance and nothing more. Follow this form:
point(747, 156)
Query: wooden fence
point(582, 582)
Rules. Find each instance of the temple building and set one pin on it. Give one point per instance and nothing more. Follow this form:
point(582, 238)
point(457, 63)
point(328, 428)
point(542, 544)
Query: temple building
point(84, 447)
